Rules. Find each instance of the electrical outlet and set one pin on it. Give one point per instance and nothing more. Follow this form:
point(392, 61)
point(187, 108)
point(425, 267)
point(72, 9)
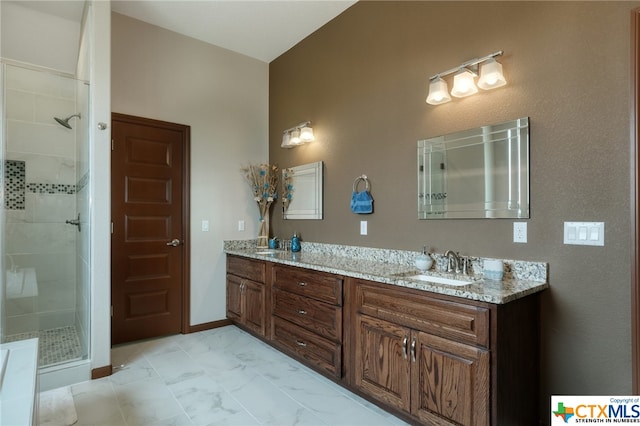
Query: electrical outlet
point(241, 225)
point(519, 232)
point(205, 225)
point(363, 227)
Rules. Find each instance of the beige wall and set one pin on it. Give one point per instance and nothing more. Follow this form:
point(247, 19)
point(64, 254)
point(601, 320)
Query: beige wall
point(362, 80)
point(223, 96)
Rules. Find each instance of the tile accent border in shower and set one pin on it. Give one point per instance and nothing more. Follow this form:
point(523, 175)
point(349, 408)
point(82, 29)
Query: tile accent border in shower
point(16, 186)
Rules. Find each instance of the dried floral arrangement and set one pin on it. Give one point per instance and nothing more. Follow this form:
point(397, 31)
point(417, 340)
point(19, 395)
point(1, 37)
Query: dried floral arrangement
point(263, 181)
point(287, 188)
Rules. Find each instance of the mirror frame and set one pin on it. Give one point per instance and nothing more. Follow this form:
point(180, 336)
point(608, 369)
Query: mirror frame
point(306, 200)
point(433, 182)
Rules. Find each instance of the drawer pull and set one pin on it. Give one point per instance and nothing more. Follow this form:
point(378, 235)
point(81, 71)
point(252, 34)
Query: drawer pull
point(302, 312)
point(301, 343)
point(405, 344)
point(302, 284)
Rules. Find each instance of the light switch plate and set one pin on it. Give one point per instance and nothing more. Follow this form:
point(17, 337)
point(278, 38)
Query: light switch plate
point(584, 233)
point(363, 227)
point(519, 232)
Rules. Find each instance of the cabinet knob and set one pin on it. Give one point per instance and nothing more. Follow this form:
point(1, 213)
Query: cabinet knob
point(302, 284)
point(302, 312)
point(301, 343)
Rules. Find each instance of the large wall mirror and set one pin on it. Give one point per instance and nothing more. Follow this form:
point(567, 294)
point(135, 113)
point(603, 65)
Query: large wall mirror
point(305, 192)
point(476, 173)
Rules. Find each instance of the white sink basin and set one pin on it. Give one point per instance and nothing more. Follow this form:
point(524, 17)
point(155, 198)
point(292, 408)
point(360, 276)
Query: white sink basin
point(266, 252)
point(439, 280)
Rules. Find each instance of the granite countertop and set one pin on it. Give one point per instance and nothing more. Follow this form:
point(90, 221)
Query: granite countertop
point(373, 268)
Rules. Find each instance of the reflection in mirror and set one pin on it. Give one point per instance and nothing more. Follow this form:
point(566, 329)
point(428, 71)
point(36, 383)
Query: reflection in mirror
point(477, 173)
point(305, 193)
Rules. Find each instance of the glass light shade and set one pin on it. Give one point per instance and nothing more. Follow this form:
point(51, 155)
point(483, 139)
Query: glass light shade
point(491, 75)
point(463, 84)
point(286, 140)
point(438, 92)
point(306, 134)
point(295, 137)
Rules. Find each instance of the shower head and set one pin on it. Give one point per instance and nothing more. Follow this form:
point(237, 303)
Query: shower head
point(65, 121)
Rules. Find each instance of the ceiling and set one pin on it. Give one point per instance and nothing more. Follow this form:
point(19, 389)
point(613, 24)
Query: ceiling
point(261, 29)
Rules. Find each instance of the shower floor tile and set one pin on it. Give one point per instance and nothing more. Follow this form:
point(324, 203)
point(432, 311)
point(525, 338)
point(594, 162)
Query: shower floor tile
point(56, 346)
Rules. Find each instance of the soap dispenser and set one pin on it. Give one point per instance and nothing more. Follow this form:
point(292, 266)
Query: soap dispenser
point(423, 261)
point(295, 243)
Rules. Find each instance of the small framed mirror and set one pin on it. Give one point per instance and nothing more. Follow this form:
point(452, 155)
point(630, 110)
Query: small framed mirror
point(305, 186)
point(476, 173)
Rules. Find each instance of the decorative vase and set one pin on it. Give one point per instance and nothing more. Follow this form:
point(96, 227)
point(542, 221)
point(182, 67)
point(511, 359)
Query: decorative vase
point(263, 232)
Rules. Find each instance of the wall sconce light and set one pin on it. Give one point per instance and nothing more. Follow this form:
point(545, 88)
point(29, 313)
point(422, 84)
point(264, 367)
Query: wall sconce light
point(297, 135)
point(491, 77)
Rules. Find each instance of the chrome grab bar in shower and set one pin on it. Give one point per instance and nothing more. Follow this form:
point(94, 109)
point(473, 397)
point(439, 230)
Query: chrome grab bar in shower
point(75, 222)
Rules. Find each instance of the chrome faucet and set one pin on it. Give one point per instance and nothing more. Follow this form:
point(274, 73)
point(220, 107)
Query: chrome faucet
point(453, 261)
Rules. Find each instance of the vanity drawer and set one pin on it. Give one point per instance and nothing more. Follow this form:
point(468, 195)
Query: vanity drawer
point(247, 268)
point(320, 317)
point(315, 350)
point(317, 285)
point(462, 322)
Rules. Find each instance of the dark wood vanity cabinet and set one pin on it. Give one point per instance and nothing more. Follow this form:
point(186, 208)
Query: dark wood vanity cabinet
point(306, 322)
point(438, 359)
point(431, 358)
point(246, 293)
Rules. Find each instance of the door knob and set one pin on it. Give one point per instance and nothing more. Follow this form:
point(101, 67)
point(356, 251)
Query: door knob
point(175, 242)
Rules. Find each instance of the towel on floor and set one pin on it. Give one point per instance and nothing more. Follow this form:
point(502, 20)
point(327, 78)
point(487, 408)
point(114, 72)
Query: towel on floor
point(57, 408)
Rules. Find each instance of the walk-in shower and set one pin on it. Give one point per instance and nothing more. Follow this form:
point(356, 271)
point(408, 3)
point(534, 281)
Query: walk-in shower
point(46, 193)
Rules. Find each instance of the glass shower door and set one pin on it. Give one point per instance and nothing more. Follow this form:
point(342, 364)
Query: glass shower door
point(46, 240)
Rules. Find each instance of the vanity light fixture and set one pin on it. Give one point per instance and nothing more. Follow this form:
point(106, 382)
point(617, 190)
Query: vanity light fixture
point(297, 135)
point(491, 77)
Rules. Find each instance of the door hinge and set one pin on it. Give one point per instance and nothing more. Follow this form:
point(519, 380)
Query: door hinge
point(111, 310)
point(112, 227)
point(111, 144)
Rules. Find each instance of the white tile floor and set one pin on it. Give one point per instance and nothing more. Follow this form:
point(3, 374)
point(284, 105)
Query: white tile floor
point(216, 377)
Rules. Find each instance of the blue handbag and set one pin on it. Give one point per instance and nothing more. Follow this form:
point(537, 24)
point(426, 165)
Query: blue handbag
point(361, 201)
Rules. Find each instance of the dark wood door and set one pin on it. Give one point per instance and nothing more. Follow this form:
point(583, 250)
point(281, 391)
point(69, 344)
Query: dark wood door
point(148, 211)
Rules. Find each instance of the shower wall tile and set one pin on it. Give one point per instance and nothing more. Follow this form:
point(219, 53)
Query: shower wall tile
point(20, 105)
point(56, 295)
point(43, 139)
point(47, 107)
point(46, 169)
point(49, 266)
point(21, 324)
point(40, 238)
point(52, 208)
point(20, 306)
point(40, 82)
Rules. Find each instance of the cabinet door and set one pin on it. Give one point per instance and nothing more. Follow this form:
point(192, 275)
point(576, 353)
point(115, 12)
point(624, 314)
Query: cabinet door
point(381, 362)
point(234, 297)
point(449, 379)
point(254, 309)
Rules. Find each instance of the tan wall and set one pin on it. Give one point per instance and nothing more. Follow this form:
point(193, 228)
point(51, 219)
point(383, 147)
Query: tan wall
point(223, 96)
point(362, 80)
